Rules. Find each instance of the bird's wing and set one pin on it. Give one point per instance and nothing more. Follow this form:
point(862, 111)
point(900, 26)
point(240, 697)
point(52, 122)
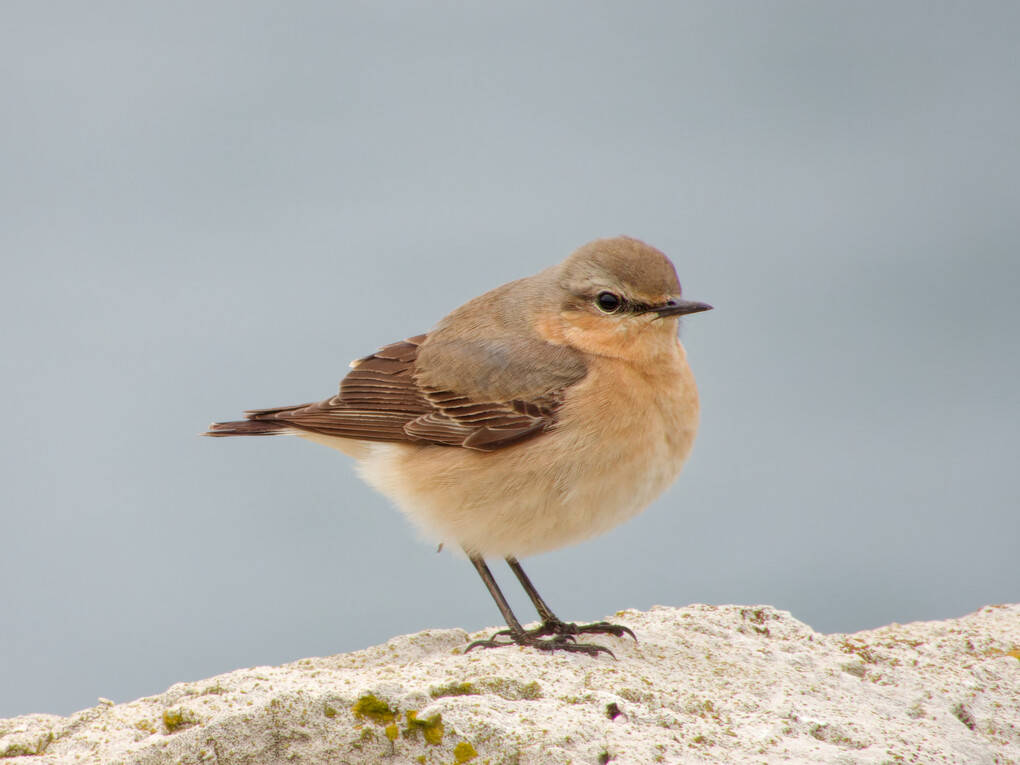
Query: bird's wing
point(475, 395)
point(377, 398)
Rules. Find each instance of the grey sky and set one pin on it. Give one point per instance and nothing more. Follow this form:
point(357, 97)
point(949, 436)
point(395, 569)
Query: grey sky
point(208, 207)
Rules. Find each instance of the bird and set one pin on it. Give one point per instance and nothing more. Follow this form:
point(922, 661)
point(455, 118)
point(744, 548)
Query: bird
point(537, 415)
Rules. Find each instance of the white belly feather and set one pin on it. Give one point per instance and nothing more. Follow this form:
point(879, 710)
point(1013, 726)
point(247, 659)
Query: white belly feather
point(583, 478)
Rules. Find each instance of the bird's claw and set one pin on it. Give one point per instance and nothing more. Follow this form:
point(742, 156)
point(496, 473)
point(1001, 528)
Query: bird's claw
point(560, 643)
point(539, 632)
point(569, 630)
point(600, 628)
point(554, 635)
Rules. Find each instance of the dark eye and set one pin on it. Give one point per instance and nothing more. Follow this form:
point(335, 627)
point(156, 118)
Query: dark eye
point(609, 302)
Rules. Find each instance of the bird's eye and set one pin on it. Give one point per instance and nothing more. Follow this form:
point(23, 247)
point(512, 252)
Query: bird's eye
point(609, 302)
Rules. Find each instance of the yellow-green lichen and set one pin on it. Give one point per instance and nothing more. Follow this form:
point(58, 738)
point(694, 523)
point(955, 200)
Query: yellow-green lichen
point(375, 709)
point(431, 728)
point(29, 750)
point(464, 752)
point(453, 689)
point(329, 711)
point(145, 725)
point(177, 719)
point(392, 731)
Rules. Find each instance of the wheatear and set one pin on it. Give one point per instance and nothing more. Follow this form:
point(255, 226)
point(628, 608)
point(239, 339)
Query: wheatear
point(538, 415)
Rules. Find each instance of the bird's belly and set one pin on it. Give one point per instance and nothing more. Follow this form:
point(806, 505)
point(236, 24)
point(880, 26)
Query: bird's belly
point(565, 486)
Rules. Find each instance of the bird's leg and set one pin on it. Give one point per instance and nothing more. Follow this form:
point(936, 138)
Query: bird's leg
point(516, 633)
point(497, 595)
point(544, 612)
point(551, 625)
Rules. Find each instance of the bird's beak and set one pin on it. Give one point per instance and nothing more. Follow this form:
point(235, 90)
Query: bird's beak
point(674, 307)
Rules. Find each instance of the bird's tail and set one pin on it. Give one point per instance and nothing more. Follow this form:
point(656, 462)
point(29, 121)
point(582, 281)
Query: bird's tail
point(248, 428)
point(258, 422)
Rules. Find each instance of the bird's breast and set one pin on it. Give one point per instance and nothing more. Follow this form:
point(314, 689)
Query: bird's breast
point(620, 440)
point(630, 430)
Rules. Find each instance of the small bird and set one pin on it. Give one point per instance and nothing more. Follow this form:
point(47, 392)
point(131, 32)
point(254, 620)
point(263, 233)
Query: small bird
point(537, 415)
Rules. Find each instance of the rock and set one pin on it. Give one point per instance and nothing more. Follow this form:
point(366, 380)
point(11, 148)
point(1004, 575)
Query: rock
point(704, 685)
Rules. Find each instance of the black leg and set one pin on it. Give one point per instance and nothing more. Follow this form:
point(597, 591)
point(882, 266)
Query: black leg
point(551, 625)
point(497, 595)
point(516, 633)
point(544, 612)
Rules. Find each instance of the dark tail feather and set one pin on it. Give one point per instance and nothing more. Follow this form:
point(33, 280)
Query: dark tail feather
point(260, 422)
point(247, 428)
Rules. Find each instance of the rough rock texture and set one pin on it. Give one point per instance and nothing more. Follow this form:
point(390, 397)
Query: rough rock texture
point(704, 685)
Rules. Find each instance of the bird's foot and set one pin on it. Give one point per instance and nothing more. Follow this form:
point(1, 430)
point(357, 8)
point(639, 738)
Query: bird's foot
point(555, 635)
point(533, 639)
point(595, 628)
point(568, 630)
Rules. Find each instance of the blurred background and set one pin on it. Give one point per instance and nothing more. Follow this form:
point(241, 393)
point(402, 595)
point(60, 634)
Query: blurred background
point(207, 207)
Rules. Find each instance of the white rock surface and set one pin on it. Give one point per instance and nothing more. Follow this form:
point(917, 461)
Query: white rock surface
point(704, 685)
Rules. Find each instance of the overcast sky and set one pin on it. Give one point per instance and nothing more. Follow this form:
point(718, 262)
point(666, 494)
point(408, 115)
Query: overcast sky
point(207, 207)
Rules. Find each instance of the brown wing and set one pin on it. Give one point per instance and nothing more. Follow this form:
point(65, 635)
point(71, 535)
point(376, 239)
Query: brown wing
point(377, 398)
point(494, 390)
point(383, 398)
point(460, 421)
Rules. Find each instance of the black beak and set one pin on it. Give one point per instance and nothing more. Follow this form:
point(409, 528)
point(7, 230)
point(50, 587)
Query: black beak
point(675, 307)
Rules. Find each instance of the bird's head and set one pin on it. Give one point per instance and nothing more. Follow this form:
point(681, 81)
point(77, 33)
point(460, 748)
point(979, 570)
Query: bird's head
point(620, 297)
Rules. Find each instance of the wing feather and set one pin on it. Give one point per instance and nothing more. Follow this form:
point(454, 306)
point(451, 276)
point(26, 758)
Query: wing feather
point(387, 397)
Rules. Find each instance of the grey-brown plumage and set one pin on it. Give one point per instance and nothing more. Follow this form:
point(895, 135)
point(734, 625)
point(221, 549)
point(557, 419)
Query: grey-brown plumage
point(405, 392)
point(537, 415)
